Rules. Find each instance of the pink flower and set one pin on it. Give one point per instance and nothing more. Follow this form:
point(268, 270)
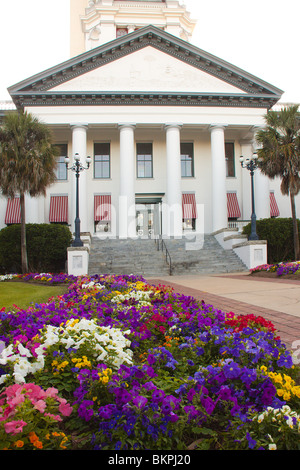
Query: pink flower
point(40, 405)
point(51, 392)
point(65, 409)
point(55, 417)
point(34, 391)
point(14, 427)
point(12, 390)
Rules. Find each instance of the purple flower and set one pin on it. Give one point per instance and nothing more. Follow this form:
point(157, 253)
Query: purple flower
point(140, 401)
point(251, 442)
point(122, 396)
point(285, 360)
point(225, 393)
point(208, 405)
point(151, 359)
point(158, 395)
point(231, 370)
point(106, 411)
point(191, 411)
point(248, 376)
point(190, 394)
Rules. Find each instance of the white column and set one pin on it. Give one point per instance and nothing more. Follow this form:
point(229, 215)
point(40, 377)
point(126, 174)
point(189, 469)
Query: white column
point(79, 140)
point(174, 195)
point(261, 195)
point(219, 197)
point(246, 151)
point(261, 191)
point(127, 223)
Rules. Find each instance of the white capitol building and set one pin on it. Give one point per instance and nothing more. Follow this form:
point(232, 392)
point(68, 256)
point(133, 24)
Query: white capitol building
point(164, 122)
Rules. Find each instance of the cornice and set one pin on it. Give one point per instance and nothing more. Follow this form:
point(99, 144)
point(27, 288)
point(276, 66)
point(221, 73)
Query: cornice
point(144, 99)
point(38, 88)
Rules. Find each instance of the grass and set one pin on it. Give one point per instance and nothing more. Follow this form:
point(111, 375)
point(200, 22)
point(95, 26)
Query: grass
point(22, 295)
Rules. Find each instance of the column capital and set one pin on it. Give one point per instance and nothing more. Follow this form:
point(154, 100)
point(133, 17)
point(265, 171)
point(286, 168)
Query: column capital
point(213, 127)
point(173, 125)
point(78, 125)
point(124, 125)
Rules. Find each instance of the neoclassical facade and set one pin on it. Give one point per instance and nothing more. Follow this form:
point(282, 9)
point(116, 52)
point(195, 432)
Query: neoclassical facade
point(163, 121)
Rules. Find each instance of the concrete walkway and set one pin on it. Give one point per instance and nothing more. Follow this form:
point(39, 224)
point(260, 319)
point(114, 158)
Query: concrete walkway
point(277, 300)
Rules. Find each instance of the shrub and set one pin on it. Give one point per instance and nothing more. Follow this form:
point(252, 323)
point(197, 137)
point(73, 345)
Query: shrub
point(279, 235)
point(46, 247)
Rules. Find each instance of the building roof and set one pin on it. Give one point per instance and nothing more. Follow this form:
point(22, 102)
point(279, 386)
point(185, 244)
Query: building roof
point(38, 90)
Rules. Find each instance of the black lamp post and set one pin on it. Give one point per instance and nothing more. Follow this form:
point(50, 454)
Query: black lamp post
point(251, 165)
point(77, 167)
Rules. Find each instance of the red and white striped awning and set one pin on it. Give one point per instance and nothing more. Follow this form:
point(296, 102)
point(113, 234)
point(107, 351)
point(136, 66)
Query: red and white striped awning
point(189, 209)
point(58, 209)
point(274, 210)
point(13, 211)
point(233, 208)
point(102, 207)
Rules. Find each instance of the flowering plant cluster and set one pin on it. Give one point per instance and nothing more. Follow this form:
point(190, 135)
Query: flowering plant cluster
point(29, 418)
point(138, 366)
point(281, 269)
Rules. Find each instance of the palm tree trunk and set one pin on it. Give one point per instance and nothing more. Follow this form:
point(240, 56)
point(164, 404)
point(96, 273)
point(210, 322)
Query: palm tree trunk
point(24, 261)
point(295, 227)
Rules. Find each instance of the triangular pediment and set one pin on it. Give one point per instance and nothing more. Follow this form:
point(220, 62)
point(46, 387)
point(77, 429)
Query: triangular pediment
point(150, 70)
point(148, 66)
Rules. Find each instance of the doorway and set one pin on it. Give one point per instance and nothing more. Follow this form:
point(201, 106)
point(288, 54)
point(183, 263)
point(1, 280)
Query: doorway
point(148, 220)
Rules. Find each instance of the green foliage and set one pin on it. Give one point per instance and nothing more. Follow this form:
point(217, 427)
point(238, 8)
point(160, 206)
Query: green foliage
point(46, 246)
point(279, 235)
point(23, 295)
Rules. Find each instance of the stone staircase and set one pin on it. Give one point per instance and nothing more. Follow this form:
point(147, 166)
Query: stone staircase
point(202, 256)
point(142, 257)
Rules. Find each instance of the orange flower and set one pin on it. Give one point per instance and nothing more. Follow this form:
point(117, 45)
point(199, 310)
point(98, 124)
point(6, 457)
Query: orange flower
point(33, 437)
point(19, 443)
point(38, 444)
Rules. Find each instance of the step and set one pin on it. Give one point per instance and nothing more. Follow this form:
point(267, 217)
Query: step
point(142, 257)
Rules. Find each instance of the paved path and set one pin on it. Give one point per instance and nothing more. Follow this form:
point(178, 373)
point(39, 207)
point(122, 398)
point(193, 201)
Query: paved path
point(277, 300)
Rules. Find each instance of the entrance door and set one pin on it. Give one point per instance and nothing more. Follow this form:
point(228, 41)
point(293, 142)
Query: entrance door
point(148, 222)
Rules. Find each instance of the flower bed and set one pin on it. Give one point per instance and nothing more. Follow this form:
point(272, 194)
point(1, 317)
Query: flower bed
point(116, 363)
point(289, 270)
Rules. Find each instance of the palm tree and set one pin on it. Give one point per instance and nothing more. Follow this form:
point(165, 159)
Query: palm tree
point(27, 162)
point(279, 155)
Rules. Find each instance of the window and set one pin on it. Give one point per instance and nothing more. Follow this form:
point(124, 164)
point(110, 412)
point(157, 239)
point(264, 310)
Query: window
point(102, 213)
point(102, 160)
point(61, 169)
point(229, 156)
point(189, 211)
point(144, 160)
point(187, 159)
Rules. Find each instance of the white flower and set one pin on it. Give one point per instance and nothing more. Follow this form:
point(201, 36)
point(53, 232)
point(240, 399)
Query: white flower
point(19, 379)
point(3, 378)
point(260, 417)
point(24, 351)
point(272, 447)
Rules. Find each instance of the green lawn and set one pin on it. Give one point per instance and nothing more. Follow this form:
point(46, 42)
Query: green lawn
point(23, 295)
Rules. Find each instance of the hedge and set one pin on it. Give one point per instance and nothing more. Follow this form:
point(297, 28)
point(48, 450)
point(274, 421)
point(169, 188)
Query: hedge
point(46, 247)
point(279, 235)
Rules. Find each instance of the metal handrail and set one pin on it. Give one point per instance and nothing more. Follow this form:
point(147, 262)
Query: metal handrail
point(168, 256)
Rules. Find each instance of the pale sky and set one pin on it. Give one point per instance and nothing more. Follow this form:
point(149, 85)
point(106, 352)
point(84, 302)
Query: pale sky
point(259, 36)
